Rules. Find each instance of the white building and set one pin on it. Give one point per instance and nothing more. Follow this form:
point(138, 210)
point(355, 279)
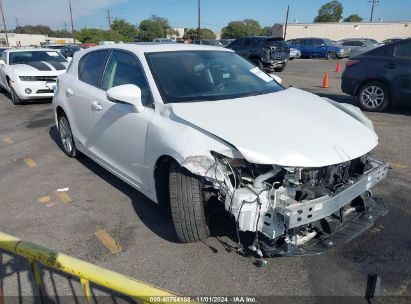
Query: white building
point(23, 40)
point(341, 30)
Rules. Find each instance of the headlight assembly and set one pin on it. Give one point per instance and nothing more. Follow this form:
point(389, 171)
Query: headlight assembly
point(27, 78)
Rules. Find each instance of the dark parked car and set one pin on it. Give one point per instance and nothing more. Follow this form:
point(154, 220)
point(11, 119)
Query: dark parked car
point(319, 47)
point(69, 50)
point(268, 53)
point(212, 42)
point(380, 77)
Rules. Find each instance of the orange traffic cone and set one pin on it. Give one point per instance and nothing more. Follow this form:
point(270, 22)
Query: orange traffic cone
point(338, 69)
point(325, 81)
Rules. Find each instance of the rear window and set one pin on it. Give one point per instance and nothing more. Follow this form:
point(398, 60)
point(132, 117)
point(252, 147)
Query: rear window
point(403, 50)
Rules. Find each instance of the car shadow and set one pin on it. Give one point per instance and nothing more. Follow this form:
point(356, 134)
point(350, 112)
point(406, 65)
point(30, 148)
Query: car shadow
point(156, 218)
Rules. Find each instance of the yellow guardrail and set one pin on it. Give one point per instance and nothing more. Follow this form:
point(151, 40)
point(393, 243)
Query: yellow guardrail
point(85, 271)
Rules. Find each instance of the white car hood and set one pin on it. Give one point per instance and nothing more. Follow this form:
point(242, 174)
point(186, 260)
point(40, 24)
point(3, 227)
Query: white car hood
point(291, 128)
point(40, 68)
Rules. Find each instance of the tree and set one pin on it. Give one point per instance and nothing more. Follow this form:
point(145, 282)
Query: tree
point(237, 29)
point(266, 31)
point(205, 33)
point(252, 27)
point(155, 27)
point(234, 29)
point(93, 35)
point(125, 29)
point(353, 18)
point(330, 12)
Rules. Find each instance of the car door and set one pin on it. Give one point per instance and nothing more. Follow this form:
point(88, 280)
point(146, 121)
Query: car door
point(400, 65)
point(79, 91)
point(118, 132)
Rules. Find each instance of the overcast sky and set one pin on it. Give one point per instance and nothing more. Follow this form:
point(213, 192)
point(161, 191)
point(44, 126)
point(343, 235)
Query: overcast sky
point(183, 13)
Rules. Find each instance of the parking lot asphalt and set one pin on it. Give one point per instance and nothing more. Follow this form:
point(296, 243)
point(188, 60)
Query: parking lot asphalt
point(104, 221)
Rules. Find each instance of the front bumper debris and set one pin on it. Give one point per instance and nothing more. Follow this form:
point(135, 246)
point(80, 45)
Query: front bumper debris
point(374, 209)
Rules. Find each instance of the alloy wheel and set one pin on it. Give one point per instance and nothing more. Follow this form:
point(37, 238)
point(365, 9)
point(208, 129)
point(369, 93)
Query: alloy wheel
point(372, 97)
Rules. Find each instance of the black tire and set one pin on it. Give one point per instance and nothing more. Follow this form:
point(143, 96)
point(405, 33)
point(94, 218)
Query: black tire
point(332, 55)
point(258, 62)
point(66, 137)
point(186, 203)
point(281, 68)
point(14, 98)
point(374, 96)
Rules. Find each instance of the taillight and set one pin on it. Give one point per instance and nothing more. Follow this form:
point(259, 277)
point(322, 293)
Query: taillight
point(351, 63)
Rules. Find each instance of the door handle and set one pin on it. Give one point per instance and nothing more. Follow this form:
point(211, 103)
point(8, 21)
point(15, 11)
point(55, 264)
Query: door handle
point(96, 106)
point(69, 92)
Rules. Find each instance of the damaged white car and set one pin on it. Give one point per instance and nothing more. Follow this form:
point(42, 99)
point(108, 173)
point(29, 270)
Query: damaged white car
point(199, 126)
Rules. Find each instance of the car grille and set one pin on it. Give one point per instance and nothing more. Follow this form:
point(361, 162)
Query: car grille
point(42, 91)
point(45, 78)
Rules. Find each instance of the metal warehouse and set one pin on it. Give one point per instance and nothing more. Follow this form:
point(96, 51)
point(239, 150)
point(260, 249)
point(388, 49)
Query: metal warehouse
point(340, 30)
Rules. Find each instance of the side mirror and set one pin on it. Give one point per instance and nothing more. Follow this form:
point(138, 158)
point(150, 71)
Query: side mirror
point(126, 93)
point(2, 62)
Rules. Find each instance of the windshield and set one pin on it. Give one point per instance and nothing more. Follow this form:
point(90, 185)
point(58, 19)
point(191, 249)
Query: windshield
point(328, 42)
point(186, 76)
point(31, 56)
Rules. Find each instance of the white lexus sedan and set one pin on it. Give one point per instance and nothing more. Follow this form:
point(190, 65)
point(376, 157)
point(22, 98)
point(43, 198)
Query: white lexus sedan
point(199, 128)
point(30, 73)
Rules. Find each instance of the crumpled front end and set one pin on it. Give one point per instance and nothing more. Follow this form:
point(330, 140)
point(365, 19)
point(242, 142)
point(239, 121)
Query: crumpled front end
point(294, 211)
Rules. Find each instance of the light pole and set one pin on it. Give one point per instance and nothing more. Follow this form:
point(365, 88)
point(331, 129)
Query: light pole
point(72, 24)
point(198, 27)
point(4, 23)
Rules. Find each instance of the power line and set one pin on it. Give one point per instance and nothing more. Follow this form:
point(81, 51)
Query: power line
point(72, 23)
point(373, 4)
point(4, 23)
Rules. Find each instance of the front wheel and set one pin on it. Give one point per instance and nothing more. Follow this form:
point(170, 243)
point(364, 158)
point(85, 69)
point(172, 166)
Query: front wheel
point(66, 136)
point(187, 208)
point(14, 98)
point(281, 68)
point(332, 55)
point(374, 96)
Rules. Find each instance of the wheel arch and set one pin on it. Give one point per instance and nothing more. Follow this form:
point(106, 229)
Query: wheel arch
point(161, 170)
point(385, 82)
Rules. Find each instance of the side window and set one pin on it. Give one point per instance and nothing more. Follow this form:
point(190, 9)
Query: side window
point(403, 50)
point(237, 43)
point(91, 67)
point(4, 57)
point(125, 68)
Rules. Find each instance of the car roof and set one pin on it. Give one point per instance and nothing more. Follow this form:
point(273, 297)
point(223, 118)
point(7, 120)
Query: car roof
point(152, 47)
point(30, 50)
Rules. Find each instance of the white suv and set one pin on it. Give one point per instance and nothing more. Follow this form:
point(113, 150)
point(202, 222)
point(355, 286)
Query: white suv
point(199, 127)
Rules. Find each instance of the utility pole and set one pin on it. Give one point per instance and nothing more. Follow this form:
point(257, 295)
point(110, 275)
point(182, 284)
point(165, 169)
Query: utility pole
point(4, 23)
point(199, 21)
point(72, 24)
point(65, 26)
point(373, 4)
point(109, 19)
point(286, 22)
point(17, 22)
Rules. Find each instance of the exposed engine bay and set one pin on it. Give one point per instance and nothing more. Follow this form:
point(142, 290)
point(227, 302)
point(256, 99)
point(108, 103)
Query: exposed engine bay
point(291, 209)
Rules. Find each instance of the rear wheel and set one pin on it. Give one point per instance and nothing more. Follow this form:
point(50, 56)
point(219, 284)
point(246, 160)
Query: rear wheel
point(186, 202)
point(281, 68)
point(258, 62)
point(14, 98)
point(374, 96)
point(66, 136)
point(332, 55)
